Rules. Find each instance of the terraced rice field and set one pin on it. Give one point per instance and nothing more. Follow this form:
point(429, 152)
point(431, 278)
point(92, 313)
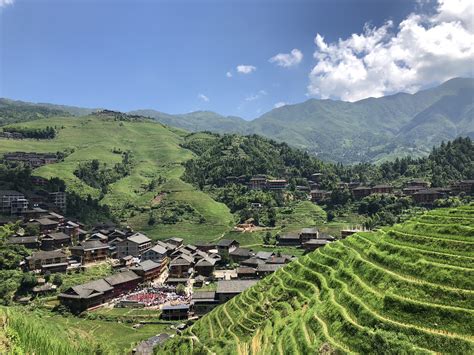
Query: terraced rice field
point(405, 289)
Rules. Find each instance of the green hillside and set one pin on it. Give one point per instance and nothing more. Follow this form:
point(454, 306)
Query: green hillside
point(155, 169)
point(405, 289)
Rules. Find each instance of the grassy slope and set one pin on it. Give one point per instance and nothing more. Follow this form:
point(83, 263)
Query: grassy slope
point(156, 152)
point(47, 333)
point(406, 289)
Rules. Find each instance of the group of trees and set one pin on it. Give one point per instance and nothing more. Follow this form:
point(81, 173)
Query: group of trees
point(172, 212)
point(100, 176)
point(35, 133)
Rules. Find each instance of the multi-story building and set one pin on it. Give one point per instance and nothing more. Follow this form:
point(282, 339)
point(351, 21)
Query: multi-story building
point(135, 245)
point(6, 199)
point(58, 199)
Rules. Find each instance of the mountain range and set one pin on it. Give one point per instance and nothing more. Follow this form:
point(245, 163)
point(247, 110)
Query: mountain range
point(373, 129)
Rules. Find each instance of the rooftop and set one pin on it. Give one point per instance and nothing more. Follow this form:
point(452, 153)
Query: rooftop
point(47, 254)
point(121, 277)
point(175, 308)
point(146, 265)
point(200, 295)
point(90, 245)
point(235, 286)
point(226, 242)
point(139, 238)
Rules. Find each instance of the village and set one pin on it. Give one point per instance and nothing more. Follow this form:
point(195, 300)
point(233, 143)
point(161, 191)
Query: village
point(164, 274)
point(181, 280)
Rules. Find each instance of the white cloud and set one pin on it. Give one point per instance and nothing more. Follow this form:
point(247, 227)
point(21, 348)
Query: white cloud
point(256, 96)
point(287, 60)
point(203, 97)
point(245, 69)
point(228, 74)
point(279, 104)
point(423, 50)
point(5, 2)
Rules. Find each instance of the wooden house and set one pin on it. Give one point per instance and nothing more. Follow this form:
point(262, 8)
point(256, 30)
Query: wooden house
point(176, 312)
point(90, 251)
point(56, 240)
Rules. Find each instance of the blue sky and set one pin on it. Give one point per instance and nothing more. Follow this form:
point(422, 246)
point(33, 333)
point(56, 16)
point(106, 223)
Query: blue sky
point(174, 56)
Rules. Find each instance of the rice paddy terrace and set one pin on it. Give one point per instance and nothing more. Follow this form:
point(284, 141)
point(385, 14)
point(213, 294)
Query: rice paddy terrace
point(404, 289)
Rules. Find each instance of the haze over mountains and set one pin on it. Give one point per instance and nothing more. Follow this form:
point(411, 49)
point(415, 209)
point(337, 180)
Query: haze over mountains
point(372, 129)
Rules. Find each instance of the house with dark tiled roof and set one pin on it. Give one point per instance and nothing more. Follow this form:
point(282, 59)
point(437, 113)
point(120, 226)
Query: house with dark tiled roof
point(47, 260)
point(30, 242)
point(239, 254)
point(90, 251)
point(181, 266)
point(91, 294)
point(156, 253)
point(205, 266)
point(203, 302)
point(55, 240)
point(228, 289)
point(149, 270)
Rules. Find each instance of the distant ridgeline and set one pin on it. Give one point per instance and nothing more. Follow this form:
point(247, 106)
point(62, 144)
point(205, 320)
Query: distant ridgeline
point(404, 289)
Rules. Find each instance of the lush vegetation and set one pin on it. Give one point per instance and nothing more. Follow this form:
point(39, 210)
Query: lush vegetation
point(100, 176)
point(404, 289)
point(111, 331)
point(37, 133)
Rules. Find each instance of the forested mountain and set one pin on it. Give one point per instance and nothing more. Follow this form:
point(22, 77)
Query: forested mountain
point(372, 129)
point(223, 156)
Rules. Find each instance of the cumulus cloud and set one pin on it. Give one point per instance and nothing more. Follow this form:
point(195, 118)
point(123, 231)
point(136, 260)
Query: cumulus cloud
point(279, 104)
point(245, 69)
point(203, 97)
point(422, 50)
point(256, 96)
point(287, 60)
point(228, 74)
point(5, 2)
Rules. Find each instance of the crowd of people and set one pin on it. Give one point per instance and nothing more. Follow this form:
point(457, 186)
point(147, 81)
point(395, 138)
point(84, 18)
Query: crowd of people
point(155, 296)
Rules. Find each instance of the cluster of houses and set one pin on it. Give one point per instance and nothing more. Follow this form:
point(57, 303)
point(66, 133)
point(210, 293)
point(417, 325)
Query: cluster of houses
point(64, 245)
point(418, 189)
point(34, 160)
point(26, 204)
point(309, 238)
point(261, 182)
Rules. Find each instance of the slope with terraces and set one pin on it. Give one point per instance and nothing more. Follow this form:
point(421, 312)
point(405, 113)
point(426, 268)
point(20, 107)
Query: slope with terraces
point(404, 289)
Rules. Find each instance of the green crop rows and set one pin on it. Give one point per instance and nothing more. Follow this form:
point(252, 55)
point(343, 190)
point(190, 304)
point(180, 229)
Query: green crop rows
point(404, 289)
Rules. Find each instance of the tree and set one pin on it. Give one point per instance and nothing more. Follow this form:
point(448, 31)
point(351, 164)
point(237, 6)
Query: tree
point(181, 289)
point(28, 281)
point(57, 280)
point(32, 229)
point(267, 238)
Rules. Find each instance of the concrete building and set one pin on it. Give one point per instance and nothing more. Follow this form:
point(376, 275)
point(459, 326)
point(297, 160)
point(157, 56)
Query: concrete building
point(134, 245)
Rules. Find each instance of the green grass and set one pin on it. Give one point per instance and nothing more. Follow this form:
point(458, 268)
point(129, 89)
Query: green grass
point(374, 292)
point(89, 274)
point(44, 332)
point(156, 152)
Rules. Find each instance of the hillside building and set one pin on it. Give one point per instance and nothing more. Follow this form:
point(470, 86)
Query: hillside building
point(135, 245)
